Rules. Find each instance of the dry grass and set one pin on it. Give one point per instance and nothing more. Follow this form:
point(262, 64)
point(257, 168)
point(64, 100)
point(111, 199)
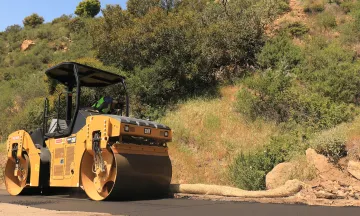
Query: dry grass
point(207, 136)
point(2, 161)
point(302, 171)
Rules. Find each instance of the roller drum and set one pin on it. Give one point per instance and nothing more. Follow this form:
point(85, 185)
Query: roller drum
point(130, 176)
point(16, 181)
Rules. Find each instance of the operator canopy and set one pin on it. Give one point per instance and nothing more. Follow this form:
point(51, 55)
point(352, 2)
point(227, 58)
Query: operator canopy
point(88, 76)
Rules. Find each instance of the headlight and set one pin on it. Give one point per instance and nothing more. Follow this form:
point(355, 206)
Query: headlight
point(126, 128)
point(166, 133)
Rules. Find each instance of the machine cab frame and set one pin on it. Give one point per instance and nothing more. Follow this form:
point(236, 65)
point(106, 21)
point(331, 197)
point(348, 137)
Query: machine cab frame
point(75, 75)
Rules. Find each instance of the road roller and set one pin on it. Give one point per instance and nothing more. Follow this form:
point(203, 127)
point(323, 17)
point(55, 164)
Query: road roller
point(93, 146)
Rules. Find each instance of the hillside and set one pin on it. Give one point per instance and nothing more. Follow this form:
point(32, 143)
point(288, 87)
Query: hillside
point(209, 133)
point(245, 85)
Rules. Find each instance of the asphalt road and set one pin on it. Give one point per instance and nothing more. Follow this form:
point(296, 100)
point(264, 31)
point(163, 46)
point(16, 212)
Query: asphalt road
point(172, 207)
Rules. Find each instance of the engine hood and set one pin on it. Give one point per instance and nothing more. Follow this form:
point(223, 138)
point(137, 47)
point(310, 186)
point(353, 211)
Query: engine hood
point(139, 122)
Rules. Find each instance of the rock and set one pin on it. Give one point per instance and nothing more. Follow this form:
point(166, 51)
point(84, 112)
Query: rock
point(320, 162)
point(324, 195)
point(279, 175)
point(354, 169)
point(356, 188)
point(26, 44)
point(357, 196)
point(328, 171)
point(330, 186)
point(351, 194)
point(341, 194)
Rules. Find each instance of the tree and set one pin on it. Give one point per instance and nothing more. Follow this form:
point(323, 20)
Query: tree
point(33, 20)
point(88, 8)
point(13, 28)
point(62, 19)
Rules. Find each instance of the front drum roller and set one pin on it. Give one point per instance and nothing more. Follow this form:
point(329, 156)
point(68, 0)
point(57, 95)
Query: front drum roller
point(125, 176)
point(16, 175)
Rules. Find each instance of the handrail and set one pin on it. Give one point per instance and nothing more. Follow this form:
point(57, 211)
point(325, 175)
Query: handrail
point(45, 116)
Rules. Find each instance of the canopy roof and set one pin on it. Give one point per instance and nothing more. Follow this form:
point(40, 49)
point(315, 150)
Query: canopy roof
point(88, 76)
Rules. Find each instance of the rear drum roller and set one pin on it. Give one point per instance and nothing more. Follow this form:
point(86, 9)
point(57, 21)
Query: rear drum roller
point(16, 176)
point(125, 175)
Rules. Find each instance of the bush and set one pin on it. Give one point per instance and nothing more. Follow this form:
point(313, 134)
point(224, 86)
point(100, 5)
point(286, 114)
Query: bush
point(276, 95)
point(297, 29)
point(284, 6)
point(348, 5)
point(76, 25)
point(141, 7)
point(349, 32)
point(327, 20)
point(62, 19)
point(280, 51)
point(356, 16)
point(331, 71)
point(330, 143)
point(33, 20)
point(248, 171)
point(313, 6)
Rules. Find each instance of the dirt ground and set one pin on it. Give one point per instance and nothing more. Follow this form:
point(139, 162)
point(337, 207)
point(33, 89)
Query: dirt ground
point(301, 198)
point(18, 210)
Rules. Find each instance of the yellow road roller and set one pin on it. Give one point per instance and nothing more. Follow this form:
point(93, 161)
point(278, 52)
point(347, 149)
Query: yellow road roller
point(94, 146)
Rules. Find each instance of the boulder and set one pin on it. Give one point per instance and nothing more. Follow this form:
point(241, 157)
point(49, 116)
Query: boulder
point(26, 44)
point(354, 169)
point(328, 172)
point(279, 175)
point(324, 195)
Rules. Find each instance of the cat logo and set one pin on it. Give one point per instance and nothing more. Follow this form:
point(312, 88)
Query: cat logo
point(147, 131)
point(71, 140)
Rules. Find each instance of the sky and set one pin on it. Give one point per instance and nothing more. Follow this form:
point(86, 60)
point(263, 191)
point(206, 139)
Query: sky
point(14, 11)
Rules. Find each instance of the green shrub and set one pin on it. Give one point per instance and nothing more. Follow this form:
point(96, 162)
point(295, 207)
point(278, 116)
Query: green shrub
point(348, 5)
point(284, 6)
point(327, 20)
point(280, 51)
point(62, 19)
point(248, 171)
point(76, 24)
point(276, 95)
point(349, 32)
point(140, 7)
point(331, 71)
point(297, 29)
point(45, 34)
point(356, 23)
point(313, 6)
point(330, 143)
point(34, 62)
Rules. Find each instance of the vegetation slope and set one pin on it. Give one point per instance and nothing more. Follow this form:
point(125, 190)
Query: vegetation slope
point(290, 71)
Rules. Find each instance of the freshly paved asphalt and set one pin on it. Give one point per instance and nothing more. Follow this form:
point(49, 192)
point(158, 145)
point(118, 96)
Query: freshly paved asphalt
point(172, 207)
